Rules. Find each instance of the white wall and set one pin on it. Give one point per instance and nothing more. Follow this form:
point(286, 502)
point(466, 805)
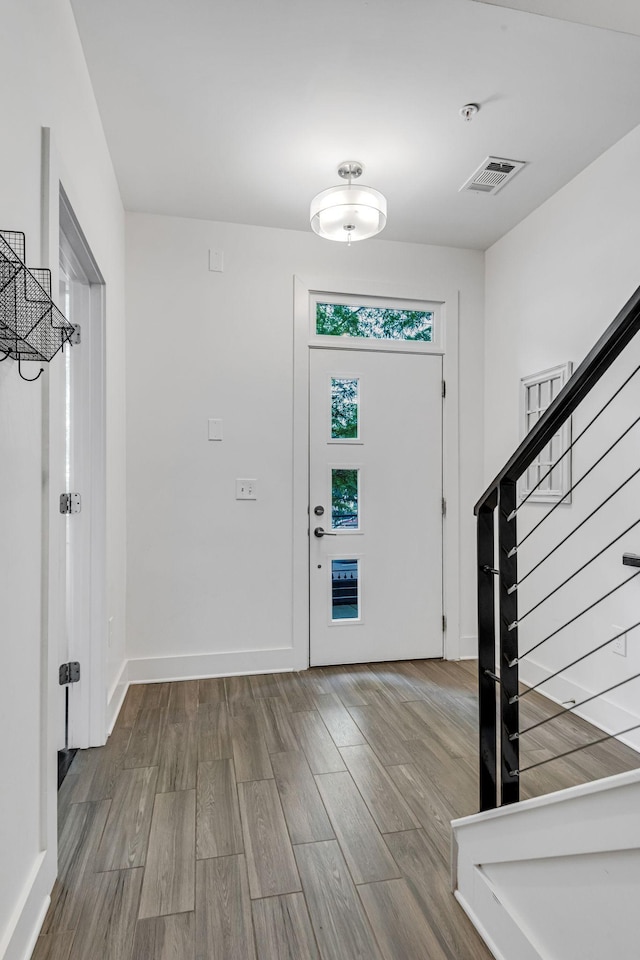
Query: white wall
point(46, 84)
point(209, 578)
point(553, 284)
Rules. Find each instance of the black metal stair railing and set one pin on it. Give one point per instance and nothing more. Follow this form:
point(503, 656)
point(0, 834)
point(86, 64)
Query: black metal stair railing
point(509, 571)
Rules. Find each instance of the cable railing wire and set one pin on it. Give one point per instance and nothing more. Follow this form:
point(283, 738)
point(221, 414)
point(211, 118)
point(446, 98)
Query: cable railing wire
point(497, 510)
point(574, 706)
point(577, 483)
point(575, 440)
point(568, 623)
point(585, 746)
point(574, 574)
point(576, 528)
point(601, 646)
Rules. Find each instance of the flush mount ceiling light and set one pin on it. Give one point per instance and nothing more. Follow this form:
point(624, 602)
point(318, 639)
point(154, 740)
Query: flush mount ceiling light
point(349, 211)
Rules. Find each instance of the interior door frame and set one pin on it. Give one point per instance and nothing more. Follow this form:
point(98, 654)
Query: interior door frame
point(90, 700)
point(448, 349)
point(36, 896)
point(88, 720)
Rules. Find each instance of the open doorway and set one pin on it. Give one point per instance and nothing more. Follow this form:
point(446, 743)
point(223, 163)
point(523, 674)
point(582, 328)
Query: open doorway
point(79, 527)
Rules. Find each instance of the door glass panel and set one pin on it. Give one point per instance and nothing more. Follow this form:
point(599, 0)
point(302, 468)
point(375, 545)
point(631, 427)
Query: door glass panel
point(344, 499)
point(345, 592)
point(376, 323)
point(345, 398)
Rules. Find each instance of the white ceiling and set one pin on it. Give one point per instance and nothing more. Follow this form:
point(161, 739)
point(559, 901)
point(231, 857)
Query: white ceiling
point(623, 15)
point(241, 110)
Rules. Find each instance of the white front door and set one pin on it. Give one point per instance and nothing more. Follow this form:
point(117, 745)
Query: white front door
point(375, 538)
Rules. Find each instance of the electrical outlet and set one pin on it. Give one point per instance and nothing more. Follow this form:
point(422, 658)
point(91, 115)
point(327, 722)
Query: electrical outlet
point(619, 645)
point(246, 489)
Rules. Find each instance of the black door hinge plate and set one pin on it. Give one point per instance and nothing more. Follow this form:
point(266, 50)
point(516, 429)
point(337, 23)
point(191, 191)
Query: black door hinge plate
point(69, 673)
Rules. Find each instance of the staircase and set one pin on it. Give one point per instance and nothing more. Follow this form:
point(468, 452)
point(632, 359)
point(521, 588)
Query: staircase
point(558, 877)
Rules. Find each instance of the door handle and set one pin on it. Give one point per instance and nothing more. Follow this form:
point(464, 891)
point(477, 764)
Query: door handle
point(319, 532)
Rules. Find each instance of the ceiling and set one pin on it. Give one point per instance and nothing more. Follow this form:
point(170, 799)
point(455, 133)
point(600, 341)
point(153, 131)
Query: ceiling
point(623, 15)
point(241, 110)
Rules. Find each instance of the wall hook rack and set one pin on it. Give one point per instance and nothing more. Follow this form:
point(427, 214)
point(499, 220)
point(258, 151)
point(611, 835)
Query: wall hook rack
point(29, 379)
point(31, 326)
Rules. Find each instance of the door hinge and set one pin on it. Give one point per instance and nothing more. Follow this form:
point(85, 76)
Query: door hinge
point(444, 389)
point(444, 623)
point(444, 506)
point(76, 334)
point(69, 673)
point(70, 503)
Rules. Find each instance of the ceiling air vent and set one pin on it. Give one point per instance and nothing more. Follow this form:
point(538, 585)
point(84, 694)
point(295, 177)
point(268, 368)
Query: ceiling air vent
point(492, 174)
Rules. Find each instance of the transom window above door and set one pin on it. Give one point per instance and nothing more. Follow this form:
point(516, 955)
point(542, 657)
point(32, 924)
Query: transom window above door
point(376, 323)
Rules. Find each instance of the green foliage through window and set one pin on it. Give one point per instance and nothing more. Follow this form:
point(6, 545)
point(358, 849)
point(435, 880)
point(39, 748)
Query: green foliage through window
point(344, 498)
point(344, 409)
point(378, 323)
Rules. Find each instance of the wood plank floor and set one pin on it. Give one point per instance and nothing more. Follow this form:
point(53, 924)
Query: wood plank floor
point(287, 817)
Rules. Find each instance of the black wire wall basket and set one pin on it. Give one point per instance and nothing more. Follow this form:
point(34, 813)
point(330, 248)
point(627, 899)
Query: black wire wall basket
point(31, 326)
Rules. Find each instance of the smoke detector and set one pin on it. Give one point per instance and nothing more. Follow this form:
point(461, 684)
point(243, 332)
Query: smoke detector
point(492, 175)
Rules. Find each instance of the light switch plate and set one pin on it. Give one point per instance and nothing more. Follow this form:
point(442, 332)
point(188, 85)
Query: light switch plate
point(246, 489)
point(215, 429)
point(216, 261)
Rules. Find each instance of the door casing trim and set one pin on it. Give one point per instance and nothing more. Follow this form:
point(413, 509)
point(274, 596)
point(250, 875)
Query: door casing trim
point(58, 213)
point(89, 725)
point(302, 287)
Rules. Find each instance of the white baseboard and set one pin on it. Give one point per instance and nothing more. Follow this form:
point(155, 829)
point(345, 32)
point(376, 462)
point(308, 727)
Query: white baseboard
point(199, 666)
point(493, 947)
point(37, 927)
point(601, 712)
point(117, 695)
point(468, 648)
point(19, 937)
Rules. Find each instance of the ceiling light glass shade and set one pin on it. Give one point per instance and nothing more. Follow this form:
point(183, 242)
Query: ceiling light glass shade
point(348, 212)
